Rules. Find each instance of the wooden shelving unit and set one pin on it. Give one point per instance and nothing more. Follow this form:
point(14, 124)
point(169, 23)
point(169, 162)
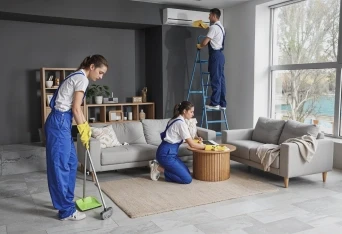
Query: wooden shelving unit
point(103, 109)
point(135, 108)
point(45, 72)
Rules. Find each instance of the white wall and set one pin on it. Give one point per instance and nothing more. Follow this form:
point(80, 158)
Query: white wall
point(247, 61)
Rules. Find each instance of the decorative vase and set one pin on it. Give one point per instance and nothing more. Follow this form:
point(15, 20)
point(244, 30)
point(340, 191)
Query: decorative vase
point(48, 83)
point(98, 99)
point(142, 114)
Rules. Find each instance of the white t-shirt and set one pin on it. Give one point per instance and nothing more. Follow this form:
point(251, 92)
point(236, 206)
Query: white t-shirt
point(65, 94)
point(216, 36)
point(178, 131)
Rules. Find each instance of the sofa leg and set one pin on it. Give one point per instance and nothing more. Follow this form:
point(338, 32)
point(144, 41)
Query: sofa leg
point(324, 175)
point(286, 182)
point(81, 169)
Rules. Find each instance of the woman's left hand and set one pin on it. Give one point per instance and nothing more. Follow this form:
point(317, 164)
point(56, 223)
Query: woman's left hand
point(200, 140)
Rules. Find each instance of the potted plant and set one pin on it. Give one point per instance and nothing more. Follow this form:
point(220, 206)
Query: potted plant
point(97, 91)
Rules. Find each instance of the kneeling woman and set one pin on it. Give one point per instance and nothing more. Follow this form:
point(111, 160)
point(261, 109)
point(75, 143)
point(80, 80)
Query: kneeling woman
point(167, 154)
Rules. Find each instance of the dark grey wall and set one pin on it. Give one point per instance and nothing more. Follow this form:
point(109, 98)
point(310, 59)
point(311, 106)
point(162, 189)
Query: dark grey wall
point(169, 77)
point(104, 13)
point(179, 53)
point(45, 33)
point(105, 10)
point(154, 68)
point(26, 47)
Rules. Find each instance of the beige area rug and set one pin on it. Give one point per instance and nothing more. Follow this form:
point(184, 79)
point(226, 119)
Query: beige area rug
point(141, 196)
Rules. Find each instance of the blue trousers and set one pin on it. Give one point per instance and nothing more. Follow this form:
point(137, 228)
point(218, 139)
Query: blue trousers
point(174, 169)
point(61, 162)
point(218, 82)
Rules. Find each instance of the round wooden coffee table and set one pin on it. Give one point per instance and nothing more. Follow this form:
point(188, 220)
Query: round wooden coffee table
point(211, 165)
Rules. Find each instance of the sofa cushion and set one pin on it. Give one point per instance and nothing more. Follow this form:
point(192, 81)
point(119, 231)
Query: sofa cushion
point(254, 157)
point(106, 136)
point(130, 132)
point(294, 129)
point(268, 130)
point(183, 151)
point(152, 129)
point(243, 147)
point(128, 154)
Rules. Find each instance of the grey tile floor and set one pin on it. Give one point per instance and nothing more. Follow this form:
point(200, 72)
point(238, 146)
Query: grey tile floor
point(308, 206)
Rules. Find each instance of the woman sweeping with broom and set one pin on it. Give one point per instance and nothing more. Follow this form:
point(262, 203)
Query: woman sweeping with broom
point(61, 156)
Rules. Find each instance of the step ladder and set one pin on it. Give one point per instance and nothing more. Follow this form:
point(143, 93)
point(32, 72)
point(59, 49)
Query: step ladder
point(205, 83)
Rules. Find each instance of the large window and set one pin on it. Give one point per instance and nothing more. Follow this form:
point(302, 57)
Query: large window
point(305, 64)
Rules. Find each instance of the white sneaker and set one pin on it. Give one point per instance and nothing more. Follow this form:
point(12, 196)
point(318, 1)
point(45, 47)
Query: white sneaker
point(213, 107)
point(76, 216)
point(223, 107)
point(154, 174)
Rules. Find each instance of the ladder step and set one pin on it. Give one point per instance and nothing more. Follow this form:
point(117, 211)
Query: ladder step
point(195, 91)
point(202, 61)
point(218, 133)
point(206, 73)
point(216, 121)
point(213, 109)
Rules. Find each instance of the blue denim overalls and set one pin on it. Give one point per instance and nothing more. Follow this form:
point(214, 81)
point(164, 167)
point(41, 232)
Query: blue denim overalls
point(216, 70)
point(61, 158)
point(167, 156)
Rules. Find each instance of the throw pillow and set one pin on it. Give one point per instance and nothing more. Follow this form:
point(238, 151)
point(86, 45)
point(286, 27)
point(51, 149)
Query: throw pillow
point(268, 130)
point(293, 129)
point(192, 127)
point(106, 136)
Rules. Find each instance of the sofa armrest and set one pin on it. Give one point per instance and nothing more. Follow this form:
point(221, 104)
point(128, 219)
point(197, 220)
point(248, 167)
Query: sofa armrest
point(238, 134)
point(206, 134)
point(95, 152)
point(292, 164)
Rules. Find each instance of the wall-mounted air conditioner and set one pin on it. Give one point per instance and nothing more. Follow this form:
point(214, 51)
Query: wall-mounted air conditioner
point(179, 17)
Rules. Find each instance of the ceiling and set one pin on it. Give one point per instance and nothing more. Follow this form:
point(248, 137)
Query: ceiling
point(198, 3)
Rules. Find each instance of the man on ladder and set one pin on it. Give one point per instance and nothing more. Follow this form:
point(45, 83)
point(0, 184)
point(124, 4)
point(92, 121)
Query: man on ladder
point(215, 41)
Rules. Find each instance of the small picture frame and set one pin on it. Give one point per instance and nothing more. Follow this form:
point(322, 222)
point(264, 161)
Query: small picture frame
point(115, 116)
point(48, 98)
point(137, 99)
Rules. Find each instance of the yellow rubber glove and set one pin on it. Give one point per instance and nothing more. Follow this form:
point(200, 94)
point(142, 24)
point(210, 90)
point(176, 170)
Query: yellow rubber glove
point(203, 25)
point(199, 46)
point(85, 132)
point(199, 24)
point(196, 23)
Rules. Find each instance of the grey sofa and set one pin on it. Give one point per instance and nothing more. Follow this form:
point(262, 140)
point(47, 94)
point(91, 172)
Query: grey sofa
point(289, 163)
point(143, 138)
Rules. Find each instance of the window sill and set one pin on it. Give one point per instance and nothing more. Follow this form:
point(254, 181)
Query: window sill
point(334, 139)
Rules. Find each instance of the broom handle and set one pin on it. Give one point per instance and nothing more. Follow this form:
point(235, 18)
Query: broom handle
point(97, 181)
point(85, 172)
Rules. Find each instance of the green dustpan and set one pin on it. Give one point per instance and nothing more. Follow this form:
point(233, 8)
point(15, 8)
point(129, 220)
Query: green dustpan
point(87, 203)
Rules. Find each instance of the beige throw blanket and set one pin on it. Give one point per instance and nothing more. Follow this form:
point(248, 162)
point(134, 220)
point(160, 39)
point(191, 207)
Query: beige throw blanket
point(267, 153)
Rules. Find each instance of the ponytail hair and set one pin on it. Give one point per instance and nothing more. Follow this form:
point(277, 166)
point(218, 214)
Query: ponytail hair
point(97, 60)
point(179, 108)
